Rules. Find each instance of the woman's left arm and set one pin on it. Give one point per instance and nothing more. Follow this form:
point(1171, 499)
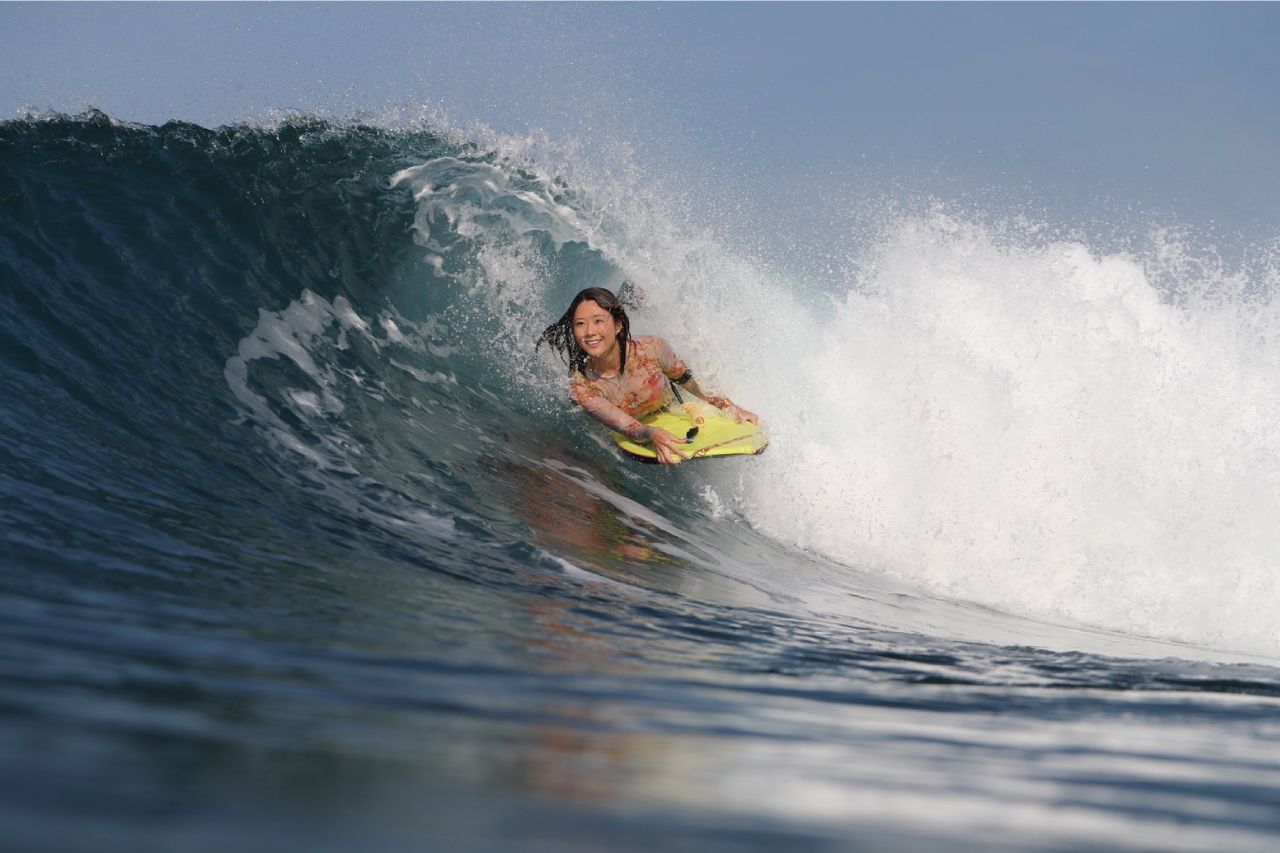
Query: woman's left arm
point(679, 373)
point(721, 402)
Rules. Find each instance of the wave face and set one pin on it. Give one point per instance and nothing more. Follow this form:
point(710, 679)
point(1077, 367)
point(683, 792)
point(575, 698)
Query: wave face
point(289, 493)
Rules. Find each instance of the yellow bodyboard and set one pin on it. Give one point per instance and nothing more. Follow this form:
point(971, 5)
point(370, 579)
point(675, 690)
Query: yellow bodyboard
point(717, 435)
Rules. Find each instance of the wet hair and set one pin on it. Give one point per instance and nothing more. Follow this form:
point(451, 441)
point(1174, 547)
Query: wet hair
point(559, 335)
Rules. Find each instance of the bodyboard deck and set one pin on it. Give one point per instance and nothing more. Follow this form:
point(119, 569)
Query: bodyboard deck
point(717, 434)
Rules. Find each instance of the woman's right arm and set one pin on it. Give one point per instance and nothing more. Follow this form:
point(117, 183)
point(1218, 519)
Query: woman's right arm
point(615, 418)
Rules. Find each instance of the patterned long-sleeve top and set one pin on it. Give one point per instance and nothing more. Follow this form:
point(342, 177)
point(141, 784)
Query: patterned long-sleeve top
point(618, 401)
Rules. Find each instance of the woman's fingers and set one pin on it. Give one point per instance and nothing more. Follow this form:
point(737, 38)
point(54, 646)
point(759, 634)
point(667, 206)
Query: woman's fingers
point(666, 446)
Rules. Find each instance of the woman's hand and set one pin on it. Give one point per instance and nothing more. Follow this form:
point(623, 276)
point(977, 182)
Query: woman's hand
point(731, 409)
point(667, 446)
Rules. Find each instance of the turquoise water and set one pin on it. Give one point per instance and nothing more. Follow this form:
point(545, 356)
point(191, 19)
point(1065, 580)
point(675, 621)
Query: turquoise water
point(304, 547)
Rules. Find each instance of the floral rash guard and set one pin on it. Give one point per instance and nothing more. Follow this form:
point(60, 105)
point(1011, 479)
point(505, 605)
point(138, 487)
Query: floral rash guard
point(642, 390)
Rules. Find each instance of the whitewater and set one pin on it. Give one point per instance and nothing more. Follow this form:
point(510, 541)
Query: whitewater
point(307, 548)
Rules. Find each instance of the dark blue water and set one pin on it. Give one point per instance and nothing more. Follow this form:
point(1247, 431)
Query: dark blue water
point(301, 547)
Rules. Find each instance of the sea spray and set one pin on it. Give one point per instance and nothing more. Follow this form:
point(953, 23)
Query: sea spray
point(992, 413)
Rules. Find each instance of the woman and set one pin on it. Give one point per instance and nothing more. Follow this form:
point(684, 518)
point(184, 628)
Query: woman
point(617, 378)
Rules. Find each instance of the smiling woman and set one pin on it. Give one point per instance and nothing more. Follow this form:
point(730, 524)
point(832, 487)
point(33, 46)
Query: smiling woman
point(619, 379)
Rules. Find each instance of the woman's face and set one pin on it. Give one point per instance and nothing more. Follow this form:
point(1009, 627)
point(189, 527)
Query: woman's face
point(595, 330)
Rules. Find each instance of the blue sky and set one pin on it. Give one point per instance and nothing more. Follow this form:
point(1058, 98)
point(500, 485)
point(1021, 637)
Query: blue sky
point(1074, 107)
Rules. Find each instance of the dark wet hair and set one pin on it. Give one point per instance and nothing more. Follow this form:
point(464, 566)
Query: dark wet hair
point(559, 335)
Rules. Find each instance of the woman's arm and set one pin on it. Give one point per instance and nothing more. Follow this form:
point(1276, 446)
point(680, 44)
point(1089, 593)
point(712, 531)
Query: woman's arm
point(664, 443)
point(614, 417)
point(679, 373)
point(720, 402)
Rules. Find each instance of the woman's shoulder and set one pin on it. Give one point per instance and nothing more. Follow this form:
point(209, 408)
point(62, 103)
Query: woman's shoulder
point(649, 342)
point(656, 349)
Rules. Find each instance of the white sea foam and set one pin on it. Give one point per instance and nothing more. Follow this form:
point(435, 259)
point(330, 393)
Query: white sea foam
point(1038, 428)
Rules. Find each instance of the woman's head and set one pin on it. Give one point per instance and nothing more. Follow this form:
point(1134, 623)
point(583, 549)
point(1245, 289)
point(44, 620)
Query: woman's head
point(589, 328)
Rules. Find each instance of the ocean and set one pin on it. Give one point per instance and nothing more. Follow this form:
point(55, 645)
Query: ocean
point(305, 548)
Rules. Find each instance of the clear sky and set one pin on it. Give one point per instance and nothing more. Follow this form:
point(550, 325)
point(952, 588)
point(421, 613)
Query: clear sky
point(1165, 107)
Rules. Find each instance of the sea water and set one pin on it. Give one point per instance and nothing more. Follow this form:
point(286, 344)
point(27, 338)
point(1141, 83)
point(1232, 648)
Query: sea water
point(305, 548)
